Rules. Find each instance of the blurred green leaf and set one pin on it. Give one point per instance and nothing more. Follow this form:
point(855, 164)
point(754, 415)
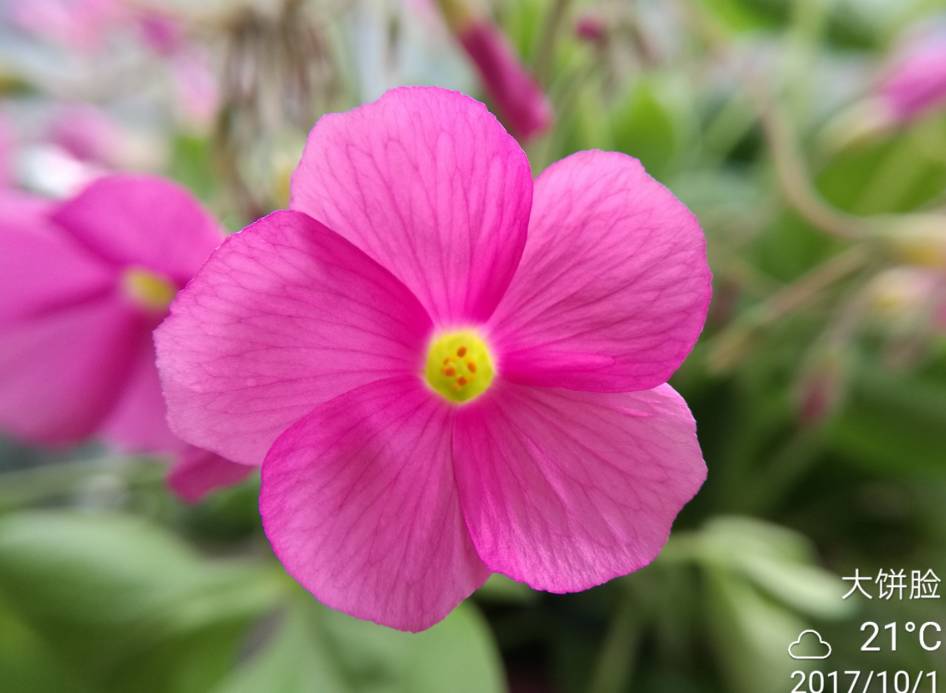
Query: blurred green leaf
point(851, 24)
point(646, 122)
point(116, 598)
point(192, 165)
point(751, 635)
point(742, 15)
point(780, 562)
point(29, 664)
point(314, 649)
point(895, 174)
point(522, 22)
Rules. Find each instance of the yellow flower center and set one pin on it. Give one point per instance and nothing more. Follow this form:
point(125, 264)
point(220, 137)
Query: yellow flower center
point(459, 366)
point(147, 289)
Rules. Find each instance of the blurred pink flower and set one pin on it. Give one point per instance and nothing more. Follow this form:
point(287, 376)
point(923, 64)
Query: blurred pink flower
point(590, 28)
point(914, 81)
point(80, 25)
point(196, 88)
point(88, 134)
point(86, 281)
point(85, 25)
point(445, 368)
point(163, 34)
point(519, 99)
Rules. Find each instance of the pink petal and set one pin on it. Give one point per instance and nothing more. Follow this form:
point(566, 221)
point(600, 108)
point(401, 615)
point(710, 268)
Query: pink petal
point(18, 208)
point(199, 472)
point(428, 183)
point(139, 421)
point(565, 490)
point(62, 371)
point(41, 268)
point(142, 220)
point(613, 287)
point(284, 316)
point(359, 502)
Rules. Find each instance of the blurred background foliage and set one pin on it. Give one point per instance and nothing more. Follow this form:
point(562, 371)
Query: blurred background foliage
point(819, 385)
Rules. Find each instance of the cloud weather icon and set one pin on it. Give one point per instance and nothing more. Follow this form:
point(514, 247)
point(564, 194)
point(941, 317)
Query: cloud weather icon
point(809, 641)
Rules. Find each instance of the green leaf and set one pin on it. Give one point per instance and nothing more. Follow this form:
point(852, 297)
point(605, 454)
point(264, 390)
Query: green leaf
point(751, 635)
point(117, 598)
point(647, 122)
point(779, 562)
point(29, 664)
point(191, 164)
point(315, 649)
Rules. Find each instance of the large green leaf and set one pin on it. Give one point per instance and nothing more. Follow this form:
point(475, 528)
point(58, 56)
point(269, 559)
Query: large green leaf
point(124, 604)
point(648, 122)
point(314, 649)
point(751, 635)
point(778, 561)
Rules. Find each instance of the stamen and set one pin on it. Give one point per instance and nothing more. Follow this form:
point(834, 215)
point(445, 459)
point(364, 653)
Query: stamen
point(459, 366)
point(148, 290)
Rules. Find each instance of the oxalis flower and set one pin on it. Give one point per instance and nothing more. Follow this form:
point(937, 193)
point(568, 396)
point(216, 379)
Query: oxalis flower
point(445, 369)
point(86, 281)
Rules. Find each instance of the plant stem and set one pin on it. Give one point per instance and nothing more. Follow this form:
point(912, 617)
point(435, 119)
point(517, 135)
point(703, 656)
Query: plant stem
point(728, 345)
point(790, 170)
point(545, 53)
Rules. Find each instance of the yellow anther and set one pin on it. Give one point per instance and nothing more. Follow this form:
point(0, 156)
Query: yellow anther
point(147, 289)
point(453, 379)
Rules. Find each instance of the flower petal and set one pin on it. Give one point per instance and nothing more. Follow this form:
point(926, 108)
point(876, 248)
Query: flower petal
point(63, 371)
point(41, 268)
point(565, 490)
point(429, 184)
point(613, 287)
point(284, 316)
point(139, 421)
point(144, 221)
point(199, 472)
point(359, 502)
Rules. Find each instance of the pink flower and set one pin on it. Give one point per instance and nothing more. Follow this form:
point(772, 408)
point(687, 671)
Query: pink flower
point(85, 283)
point(445, 369)
point(77, 24)
point(161, 33)
point(591, 28)
point(914, 82)
point(88, 134)
point(197, 93)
